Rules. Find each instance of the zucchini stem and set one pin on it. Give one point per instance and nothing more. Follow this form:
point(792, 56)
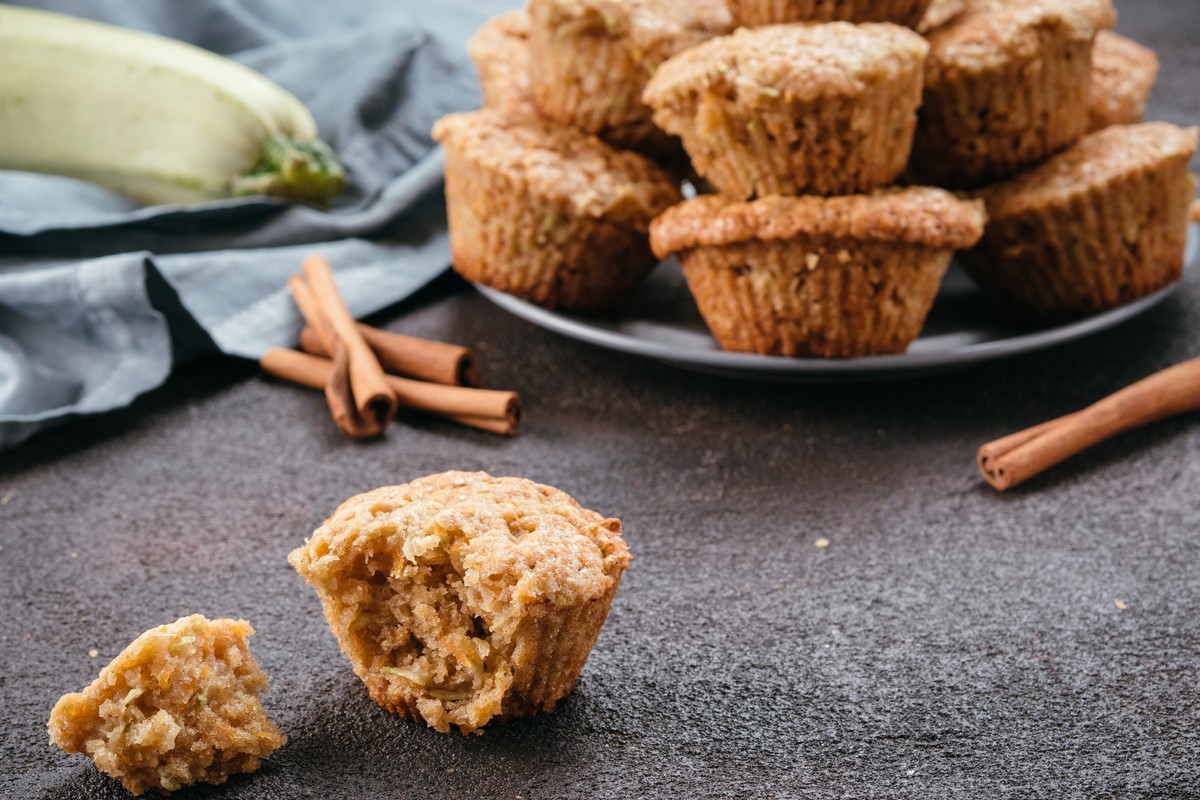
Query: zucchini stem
point(294, 169)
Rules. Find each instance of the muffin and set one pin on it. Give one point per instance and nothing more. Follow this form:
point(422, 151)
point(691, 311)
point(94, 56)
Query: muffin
point(1099, 225)
point(1005, 88)
point(592, 58)
point(752, 13)
point(811, 276)
point(178, 706)
point(462, 599)
point(500, 50)
point(1123, 75)
point(795, 109)
point(547, 212)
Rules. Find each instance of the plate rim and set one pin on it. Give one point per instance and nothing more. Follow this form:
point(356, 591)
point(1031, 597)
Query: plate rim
point(748, 364)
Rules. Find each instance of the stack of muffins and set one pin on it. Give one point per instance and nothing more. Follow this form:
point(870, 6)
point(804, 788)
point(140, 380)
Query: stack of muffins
point(800, 117)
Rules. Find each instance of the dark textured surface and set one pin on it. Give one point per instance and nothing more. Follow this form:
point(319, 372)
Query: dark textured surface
point(950, 642)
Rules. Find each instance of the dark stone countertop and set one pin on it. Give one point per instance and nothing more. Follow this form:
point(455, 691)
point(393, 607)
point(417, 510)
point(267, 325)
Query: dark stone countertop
point(950, 642)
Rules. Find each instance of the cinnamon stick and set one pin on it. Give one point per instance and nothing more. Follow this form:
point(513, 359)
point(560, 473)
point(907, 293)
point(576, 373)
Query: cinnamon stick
point(423, 359)
point(372, 397)
point(495, 411)
point(1011, 461)
point(339, 394)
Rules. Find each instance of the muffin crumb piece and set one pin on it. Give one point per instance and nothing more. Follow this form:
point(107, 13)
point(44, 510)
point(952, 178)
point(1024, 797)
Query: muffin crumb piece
point(178, 706)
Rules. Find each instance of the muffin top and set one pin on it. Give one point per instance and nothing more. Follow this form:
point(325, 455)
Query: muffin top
point(919, 216)
point(500, 50)
point(1122, 70)
point(511, 539)
point(789, 63)
point(654, 29)
point(563, 165)
point(996, 32)
point(1119, 58)
point(1092, 162)
point(502, 40)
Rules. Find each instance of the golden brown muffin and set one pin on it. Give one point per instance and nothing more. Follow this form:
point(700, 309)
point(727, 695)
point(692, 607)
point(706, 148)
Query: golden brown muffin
point(180, 705)
point(795, 109)
point(462, 599)
point(592, 58)
point(1094, 227)
point(1123, 75)
point(811, 276)
point(1004, 89)
point(500, 50)
point(549, 213)
point(753, 13)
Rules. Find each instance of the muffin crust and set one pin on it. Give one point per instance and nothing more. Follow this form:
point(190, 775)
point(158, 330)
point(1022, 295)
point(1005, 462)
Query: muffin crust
point(795, 109)
point(919, 215)
point(562, 165)
point(789, 62)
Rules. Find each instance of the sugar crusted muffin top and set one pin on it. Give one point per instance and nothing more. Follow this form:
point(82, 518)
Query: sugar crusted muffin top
point(513, 540)
point(989, 36)
point(652, 27)
point(799, 62)
point(563, 164)
point(919, 216)
point(1090, 163)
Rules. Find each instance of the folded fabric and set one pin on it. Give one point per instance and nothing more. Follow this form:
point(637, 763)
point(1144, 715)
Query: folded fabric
point(80, 332)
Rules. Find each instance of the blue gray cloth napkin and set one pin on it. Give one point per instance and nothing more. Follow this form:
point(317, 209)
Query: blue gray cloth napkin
point(92, 285)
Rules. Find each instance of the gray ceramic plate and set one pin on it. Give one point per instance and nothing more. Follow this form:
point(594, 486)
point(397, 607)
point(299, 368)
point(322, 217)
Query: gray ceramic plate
point(662, 323)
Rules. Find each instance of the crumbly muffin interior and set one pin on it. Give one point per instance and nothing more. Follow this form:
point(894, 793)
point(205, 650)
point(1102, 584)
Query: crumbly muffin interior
point(433, 588)
point(413, 628)
point(179, 706)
